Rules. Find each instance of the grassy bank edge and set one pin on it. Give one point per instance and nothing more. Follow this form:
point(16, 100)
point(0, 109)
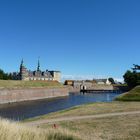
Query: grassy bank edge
point(132, 95)
point(90, 109)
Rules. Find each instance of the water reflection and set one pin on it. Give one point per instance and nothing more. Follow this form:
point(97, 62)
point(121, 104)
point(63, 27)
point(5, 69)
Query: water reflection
point(19, 111)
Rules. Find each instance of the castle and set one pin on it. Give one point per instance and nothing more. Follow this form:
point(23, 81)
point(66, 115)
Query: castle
point(28, 75)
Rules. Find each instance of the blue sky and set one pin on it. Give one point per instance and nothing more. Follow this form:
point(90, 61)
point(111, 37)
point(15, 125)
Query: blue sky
point(88, 38)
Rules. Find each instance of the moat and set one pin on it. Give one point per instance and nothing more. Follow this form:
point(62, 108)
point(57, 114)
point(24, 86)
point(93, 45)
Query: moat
point(24, 110)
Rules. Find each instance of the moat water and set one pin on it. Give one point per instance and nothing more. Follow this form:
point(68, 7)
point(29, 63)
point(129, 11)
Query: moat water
point(24, 110)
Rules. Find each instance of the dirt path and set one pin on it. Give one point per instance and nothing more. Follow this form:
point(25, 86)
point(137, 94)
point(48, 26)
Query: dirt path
point(45, 121)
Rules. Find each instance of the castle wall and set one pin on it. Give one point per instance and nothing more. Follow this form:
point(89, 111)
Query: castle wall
point(56, 76)
point(18, 95)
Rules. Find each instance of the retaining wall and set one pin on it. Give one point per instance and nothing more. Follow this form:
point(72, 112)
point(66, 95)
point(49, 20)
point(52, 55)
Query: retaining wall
point(101, 87)
point(18, 95)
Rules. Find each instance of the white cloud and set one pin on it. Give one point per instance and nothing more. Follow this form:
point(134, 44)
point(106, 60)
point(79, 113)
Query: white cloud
point(119, 80)
point(85, 77)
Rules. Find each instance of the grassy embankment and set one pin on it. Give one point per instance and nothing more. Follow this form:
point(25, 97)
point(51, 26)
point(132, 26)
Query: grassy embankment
point(16, 131)
point(132, 95)
point(91, 109)
point(106, 128)
point(28, 84)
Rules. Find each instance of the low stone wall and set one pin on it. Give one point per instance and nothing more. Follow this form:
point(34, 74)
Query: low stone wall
point(18, 95)
point(101, 87)
point(72, 89)
point(93, 87)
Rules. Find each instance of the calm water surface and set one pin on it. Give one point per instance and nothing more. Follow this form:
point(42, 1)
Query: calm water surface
point(24, 110)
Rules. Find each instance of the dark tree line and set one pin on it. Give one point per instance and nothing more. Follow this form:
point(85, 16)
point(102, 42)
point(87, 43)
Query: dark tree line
point(111, 80)
point(132, 77)
point(5, 76)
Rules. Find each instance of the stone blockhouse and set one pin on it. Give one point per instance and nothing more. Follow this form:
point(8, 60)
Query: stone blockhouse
point(82, 84)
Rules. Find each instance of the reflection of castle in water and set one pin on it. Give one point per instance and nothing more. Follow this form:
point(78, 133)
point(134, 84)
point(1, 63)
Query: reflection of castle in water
point(27, 75)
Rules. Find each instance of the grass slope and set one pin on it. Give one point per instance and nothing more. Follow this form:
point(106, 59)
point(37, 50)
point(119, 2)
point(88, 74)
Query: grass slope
point(106, 128)
point(91, 109)
point(28, 84)
point(132, 95)
point(16, 131)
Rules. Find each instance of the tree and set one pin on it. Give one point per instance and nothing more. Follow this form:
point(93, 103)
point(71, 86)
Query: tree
point(132, 78)
point(111, 80)
point(5, 76)
point(1, 74)
point(136, 67)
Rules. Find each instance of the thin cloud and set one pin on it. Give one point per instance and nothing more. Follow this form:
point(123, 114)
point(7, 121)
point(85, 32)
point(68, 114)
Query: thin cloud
point(86, 77)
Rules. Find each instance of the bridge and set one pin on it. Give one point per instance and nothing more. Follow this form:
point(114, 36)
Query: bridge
point(98, 91)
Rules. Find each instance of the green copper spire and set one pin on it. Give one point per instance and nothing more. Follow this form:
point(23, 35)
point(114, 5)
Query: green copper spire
point(22, 63)
point(38, 67)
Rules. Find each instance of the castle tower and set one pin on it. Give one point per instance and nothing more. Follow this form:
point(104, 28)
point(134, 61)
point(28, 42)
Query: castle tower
point(23, 71)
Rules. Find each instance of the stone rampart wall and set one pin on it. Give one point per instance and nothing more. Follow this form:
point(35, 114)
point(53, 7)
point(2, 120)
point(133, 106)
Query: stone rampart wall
point(18, 95)
point(101, 87)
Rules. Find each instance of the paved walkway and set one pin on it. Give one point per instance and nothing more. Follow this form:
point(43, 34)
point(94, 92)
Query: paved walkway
point(45, 121)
